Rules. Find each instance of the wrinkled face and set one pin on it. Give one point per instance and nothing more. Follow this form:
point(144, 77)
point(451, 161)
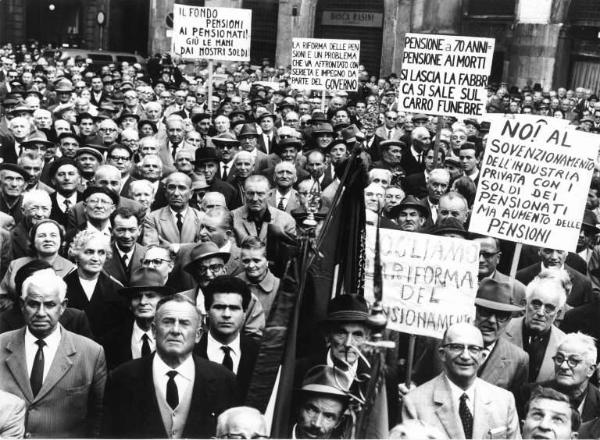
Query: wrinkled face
point(393, 197)
point(143, 304)
point(453, 208)
point(108, 132)
point(19, 129)
point(461, 353)
point(178, 192)
point(33, 168)
point(338, 153)
point(267, 124)
point(489, 256)
point(208, 269)
point(571, 365)
point(436, 187)
point(47, 239)
point(255, 263)
point(285, 177)
point(37, 210)
point(548, 419)
point(248, 143)
point(158, 259)
point(125, 231)
point(68, 147)
point(142, 195)
point(42, 308)
point(151, 169)
point(243, 167)
point(12, 183)
point(491, 323)
point(184, 163)
point(153, 112)
point(315, 165)
point(393, 155)
point(226, 315)
point(66, 179)
point(209, 169)
point(211, 229)
point(318, 417)
point(175, 132)
point(256, 196)
point(552, 257)
point(99, 207)
point(110, 180)
point(345, 340)
point(92, 256)
point(43, 120)
point(148, 148)
point(176, 329)
point(542, 308)
point(410, 219)
point(374, 195)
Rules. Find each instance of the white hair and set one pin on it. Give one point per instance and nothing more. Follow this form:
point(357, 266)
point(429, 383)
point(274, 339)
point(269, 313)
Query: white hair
point(142, 183)
point(243, 155)
point(589, 343)
point(151, 156)
point(419, 130)
point(43, 280)
point(441, 173)
point(380, 171)
point(131, 132)
point(555, 276)
point(252, 414)
point(36, 195)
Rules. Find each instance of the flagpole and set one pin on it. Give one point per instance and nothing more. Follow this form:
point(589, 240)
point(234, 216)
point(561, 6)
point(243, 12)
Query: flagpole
point(411, 354)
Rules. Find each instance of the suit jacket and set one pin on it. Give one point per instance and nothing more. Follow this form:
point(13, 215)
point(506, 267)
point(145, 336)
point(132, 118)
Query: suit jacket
point(232, 198)
point(72, 319)
point(243, 227)
point(57, 213)
point(125, 187)
point(416, 184)
point(507, 366)
point(293, 201)
point(5, 251)
point(409, 163)
point(69, 404)
point(493, 409)
point(514, 333)
point(382, 133)
point(103, 98)
point(581, 292)
point(519, 287)
point(585, 319)
point(106, 310)
point(117, 345)
point(77, 217)
point(7, 149)
point(114, 265)
point(161, 228)
point(249, 349)
point(12, 416)
point(19, 238)
point(263, 148)
point(131, 407)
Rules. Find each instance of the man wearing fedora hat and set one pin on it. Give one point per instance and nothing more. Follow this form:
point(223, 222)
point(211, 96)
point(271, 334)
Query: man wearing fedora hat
point(505, 365)
point(322, 400)
point(227, 145)
point(249, 141)
point(286, 150)
point(133, 340)
point(207, 163)
point(411, 213)
point(207, 262)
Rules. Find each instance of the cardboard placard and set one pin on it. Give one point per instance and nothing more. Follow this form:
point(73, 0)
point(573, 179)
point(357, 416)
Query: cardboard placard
point(211, 33)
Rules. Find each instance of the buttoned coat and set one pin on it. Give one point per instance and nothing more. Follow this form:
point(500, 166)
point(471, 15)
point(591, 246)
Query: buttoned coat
point(69, 404)
point(494, 411)
point(114, 266)
point(160, 227)
point(244, 227)
point(293, 200)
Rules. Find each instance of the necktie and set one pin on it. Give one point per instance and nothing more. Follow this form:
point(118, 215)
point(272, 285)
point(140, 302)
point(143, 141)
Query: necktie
point(125, 259)
point(280, 204)
point(420, 158)
point(389, 134)
point(174, 150)
point(37, 372)
point(145, 345)
point(224, 172)
point(179, 222)
point(227, 360)
point(172, 394)
point(67, 206)
point(465, 416)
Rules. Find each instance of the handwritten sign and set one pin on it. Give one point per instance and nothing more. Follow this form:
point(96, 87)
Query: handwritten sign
point(445, 75)
point(429, 282)
point(324, 64)
point(211, 33)
point(534, 182)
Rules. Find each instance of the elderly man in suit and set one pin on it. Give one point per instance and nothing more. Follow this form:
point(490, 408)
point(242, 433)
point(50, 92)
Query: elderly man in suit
point(256, 216)
point(60, 375)
point(535, 332)
point(248, 137)
point(177, 223)
point(170, 393)
point(457, 401)
point(127, 253)
point(284, 197)
point(226, 301)
point(132, 340)
point(12, 416)
point(489, 257)
point(574, 366)
point(505, 365)
point(581, 293)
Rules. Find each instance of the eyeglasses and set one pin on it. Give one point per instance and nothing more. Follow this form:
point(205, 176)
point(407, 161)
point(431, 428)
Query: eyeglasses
point(537, 305)
point(488, 255)
point(486, 313)
point(214, 268)
point(119, 158)
point(473, 350)
point(108, 130)
point(153, 262)
point(98, 202)
point(572, 362)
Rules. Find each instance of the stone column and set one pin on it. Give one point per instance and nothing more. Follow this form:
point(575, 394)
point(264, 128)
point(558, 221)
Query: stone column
point(296, 19)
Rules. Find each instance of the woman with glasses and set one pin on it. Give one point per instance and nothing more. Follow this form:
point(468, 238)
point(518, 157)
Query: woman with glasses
point(91, 289)
point(46, 240)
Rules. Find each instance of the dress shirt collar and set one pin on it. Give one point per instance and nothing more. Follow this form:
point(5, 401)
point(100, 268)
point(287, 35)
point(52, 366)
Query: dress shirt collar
point(174, 214)
point(137, 334)
point(350, 374)
point(186, 369)
point(52, 340)
point(105, 231)
point(60, 199)
point(212, 345)
point(456, 392)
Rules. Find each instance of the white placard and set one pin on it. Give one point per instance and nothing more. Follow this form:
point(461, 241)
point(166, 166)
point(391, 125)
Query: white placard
point(211, 33)
point(445, 75)
point(534, 181)
point(324, 64)
point(429, 282)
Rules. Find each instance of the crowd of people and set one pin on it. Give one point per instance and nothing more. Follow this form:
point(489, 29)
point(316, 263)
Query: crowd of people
point(141, 216)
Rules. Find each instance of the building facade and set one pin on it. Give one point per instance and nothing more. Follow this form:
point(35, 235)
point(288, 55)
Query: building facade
point(553, 42)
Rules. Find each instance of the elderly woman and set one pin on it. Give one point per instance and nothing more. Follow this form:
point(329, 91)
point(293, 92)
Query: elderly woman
point(243, 166)
point(89, 288)
point(46, 240)
point(142, 191)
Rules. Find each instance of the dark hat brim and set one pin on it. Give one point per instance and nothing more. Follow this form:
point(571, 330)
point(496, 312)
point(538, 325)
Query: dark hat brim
point(15, 169)
point(502, 307)
point(190, 266)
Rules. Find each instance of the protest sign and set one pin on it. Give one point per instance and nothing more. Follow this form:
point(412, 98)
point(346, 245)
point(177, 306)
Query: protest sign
point(429, 282)
point(445, 75)
point(534, 181)
point(211, 33)
point(324, 64)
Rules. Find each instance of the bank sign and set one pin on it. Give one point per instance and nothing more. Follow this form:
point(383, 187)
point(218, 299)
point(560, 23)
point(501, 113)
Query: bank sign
point(352, 18)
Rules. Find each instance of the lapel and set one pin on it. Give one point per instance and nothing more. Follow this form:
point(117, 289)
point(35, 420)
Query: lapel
point(445, 411)
point(249, 226)
point(204, 387)
point(170, 231)
point(547, 368)
point(17, 364)
point(190, 226)
point(147, 406)
point(514, 332)
point(590, 407)
point(498, 364)
point(482, 410)
point(138, 254)
point(62, 363)
point(114, 266)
